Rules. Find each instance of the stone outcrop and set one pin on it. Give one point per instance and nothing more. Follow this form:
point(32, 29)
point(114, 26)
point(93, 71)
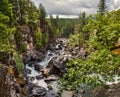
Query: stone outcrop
point(36, 91)
point(9, 84)
point(9, 87)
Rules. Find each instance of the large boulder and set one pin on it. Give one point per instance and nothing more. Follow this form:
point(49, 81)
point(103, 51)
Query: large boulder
point(57, 65)
point(35, 91)
point(52, 78)
point(26, 71)
point(37, 67)
point(39, 77)
point(39, 91)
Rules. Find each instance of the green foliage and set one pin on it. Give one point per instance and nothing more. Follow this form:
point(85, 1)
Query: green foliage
point(99, 67)
point(74, 39)
point(63, 27)
point(6, 31)
point(107, 33)
point(40, 39)
point(24, 10)
point(101, 64)
point(21, 46)
point(79, 36)
point(44, 39)
point(19, 62)
point(54, 26)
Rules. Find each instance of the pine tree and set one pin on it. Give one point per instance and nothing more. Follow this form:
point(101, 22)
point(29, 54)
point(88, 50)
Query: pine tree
point(82, 22)
point(102, 7)
point(83, 19)
point(42, 15)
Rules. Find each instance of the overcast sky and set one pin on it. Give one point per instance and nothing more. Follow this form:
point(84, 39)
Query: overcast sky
point(72, 8)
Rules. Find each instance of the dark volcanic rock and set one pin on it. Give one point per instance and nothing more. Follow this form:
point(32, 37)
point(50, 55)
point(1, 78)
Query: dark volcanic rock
point(26, 71)
point(37, 67)
point(39, 77)
point(57, 65)
point(39, 91)
point(54, 70)
point(33, 58)
point(31, 79)
point(35, 91)
point(50, 47)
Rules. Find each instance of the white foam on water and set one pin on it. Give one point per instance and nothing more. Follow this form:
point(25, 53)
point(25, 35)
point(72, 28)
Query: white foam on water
point(47, 59)
point(33, 71)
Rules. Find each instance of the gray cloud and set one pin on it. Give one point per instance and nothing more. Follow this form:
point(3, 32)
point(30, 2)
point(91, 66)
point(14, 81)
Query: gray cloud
point(74, 7)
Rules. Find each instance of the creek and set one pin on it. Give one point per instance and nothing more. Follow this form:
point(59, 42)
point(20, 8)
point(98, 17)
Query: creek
point(54, 53)
point(47, 72)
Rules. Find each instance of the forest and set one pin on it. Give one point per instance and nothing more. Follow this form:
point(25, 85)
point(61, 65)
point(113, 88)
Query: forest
point(58, 57)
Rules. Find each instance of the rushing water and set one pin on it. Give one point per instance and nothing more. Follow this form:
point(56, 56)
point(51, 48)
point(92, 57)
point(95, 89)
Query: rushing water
point(59, 50)
point(47, 59)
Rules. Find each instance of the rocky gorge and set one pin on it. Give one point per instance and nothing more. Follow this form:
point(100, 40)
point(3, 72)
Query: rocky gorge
point(43, 71)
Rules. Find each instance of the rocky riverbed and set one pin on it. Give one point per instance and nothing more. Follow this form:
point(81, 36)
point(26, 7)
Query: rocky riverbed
point(43, 71)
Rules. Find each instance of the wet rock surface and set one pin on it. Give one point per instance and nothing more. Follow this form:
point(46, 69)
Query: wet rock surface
point(37, 67)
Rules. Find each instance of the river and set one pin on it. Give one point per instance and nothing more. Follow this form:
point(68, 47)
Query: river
point(59, 55)
point(58, 51)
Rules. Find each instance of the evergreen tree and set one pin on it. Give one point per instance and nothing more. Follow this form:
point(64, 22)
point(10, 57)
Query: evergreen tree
point(81, 24)
point(83, 19)
point(102, 7)
point(42, 15)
